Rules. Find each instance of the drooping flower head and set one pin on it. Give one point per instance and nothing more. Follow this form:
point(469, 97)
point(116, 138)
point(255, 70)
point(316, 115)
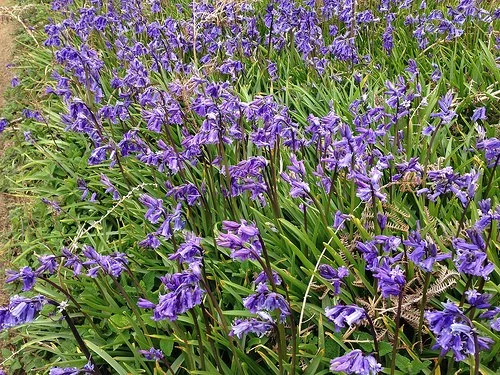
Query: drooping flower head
point(355, 362)
point(20, 310)
point(341, 315)
point(242, 238)
point(453, 331)
point(335, 276)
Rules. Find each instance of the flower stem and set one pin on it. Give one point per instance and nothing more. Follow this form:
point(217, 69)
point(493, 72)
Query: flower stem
point(422, 310)
point(396, 333)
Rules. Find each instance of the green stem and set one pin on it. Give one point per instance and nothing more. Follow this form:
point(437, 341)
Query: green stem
point(422, 310)
point(396, 333)
point(200, 341)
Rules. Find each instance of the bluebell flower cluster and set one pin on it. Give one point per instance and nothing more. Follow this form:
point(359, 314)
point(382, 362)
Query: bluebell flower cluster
point(20, 310)
point(454, 332)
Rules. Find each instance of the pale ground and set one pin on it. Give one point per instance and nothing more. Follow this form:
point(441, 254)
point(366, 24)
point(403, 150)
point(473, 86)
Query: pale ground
point(7, 28)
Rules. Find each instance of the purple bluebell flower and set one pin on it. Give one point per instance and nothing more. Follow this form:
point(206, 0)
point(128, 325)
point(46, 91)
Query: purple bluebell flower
point(174, 222)
point(446, 114)
point(335, 276)
point(391, 281)
point(242, 327)
point(25, 274)
point(242, 238)
point(471, 257)
point(184, 293)
point(341, 315)
point(339, 219)
point(486, 215)
point(478, 300)
point(72, 261)
point(262, 278)
point(152, 354)
point(495, 324)
point(20, 310)
point(64, 371)
point(112, 265)
point(491, 146)
point(479, 114)
point(48, 263)
point(151, 241)
point(3, 124)
point(355, 362)
point(381, 220)
point(189, 251)
point(272, 69)
point(454, 332)
point(412, 166)
point(186, 192)
point(368, 186)
point(155, 208)
point(436, 74)
point(247, 175)
point(445, 181)
point(265, 300)
point(53, 204)
point(412, 68)
point(387, 38)
point(82, 186)
point(110, 188)
point(14, 82)
point(425, 252)
point(295, 178)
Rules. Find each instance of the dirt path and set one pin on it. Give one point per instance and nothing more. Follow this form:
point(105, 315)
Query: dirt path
point(7, 29)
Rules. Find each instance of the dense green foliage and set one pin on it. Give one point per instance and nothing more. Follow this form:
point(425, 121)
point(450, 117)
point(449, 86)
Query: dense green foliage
point(296, 240)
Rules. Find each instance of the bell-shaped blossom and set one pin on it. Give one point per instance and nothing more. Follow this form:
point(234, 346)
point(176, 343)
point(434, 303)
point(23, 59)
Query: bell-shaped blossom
point(341, 315)
point(355, 362)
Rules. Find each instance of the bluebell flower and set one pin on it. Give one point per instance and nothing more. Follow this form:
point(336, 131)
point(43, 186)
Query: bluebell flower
point(454, 332)
point(262, 278)
point(152, 354)
point(20, 310)
point(155, 208)
point(335, 276)
point(368, 186)
point(446, 114)
point(189, 251)
point(491, 146)
point(72, 261)
point(14, 82)
point(64, 371)
point(436, 74)
point(471, 257)
point(341, 315)
point(53, 204)
point(355, 362)
point(173, 222)
point(113, 264)
point(242, 238)
point(110, 188)
point(425, 252)
point(295, 178)
point(184, 293)
point(151, 241)
point(339, 219)
point(241, 327)
point(48, 263)
point(479, 114)
point(25, 274)
point(265, 300)
point(3, 124)
point(391, 281)
point(478, 300)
